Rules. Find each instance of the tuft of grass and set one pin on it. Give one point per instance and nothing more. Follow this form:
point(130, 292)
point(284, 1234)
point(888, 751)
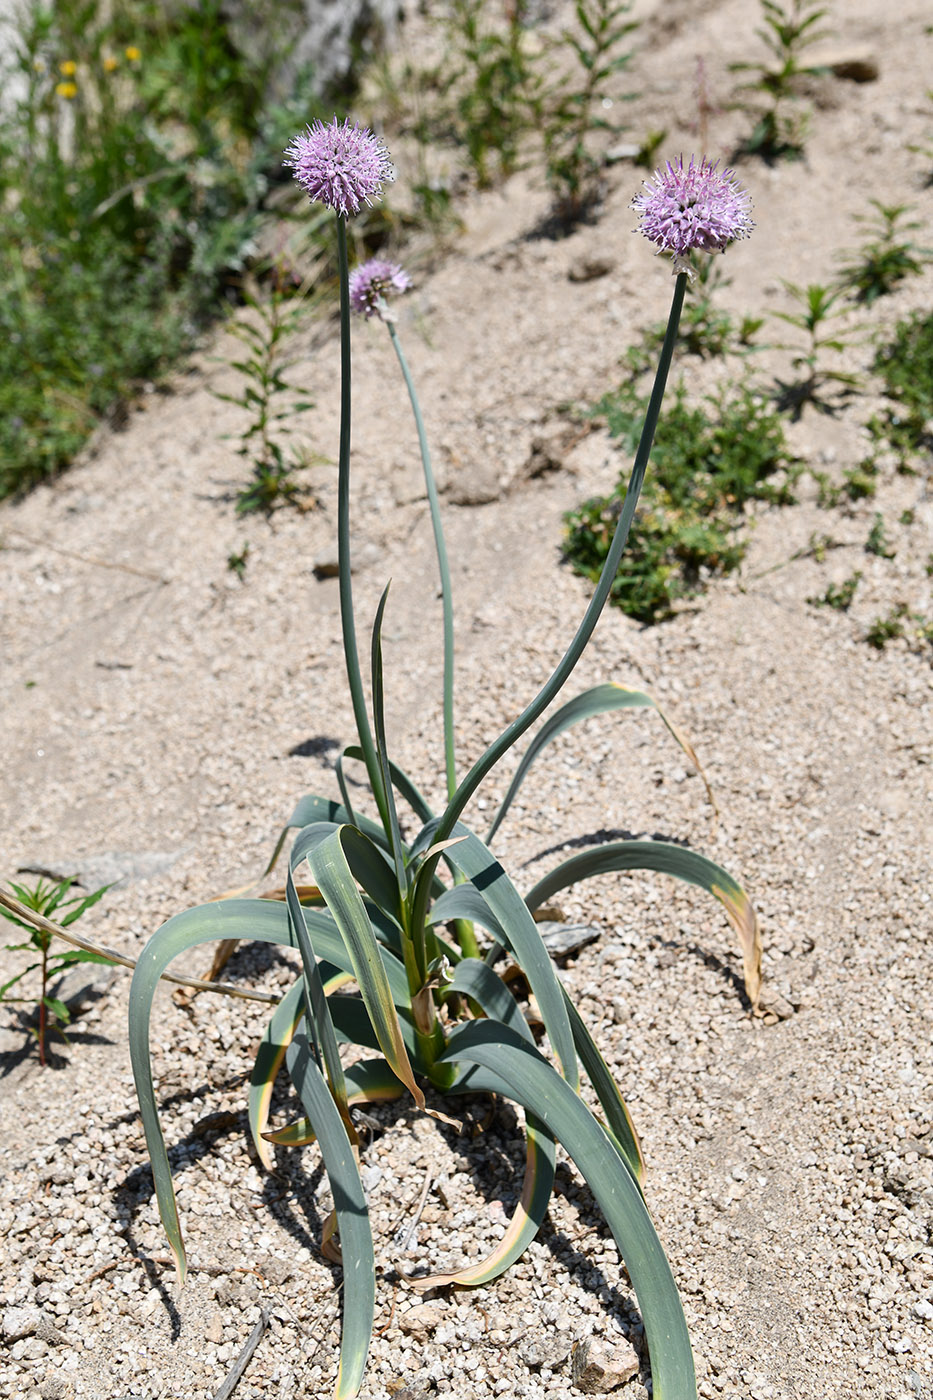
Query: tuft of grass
point(707, 462)
point(877, 542)
point(886, 629)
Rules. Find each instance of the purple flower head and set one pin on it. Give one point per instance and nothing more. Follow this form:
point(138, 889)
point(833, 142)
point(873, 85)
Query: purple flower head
point(372, 282)
point(340, 164)
point(698, 209)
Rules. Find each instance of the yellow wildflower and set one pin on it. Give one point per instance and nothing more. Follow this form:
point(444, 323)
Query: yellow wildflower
point(133, 53)
point(110, 63)
point(69, 68)
point(67, 90)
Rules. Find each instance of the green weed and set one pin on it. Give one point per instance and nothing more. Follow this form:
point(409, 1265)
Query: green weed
point(707, 462)
point(887, 257)
point(877, 542)
point(575, 108)
point(48, 899)
point(905, 365)
point(705, 330)
point(237, 561)
point(838, 595)
point(134, 161)
point(497, 85)
point(886, 629)
point(267, 396)
point(819, 307)
point(781, 123)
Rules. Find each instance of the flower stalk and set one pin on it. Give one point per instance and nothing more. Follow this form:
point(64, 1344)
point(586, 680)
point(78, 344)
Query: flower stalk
point(345, 582)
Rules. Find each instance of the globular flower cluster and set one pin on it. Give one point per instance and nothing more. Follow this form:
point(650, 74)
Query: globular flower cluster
point(372, 282)
point(700, 209)
point(340, 164)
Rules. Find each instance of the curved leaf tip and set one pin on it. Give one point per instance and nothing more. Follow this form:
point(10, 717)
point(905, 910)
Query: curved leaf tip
point(740, 912)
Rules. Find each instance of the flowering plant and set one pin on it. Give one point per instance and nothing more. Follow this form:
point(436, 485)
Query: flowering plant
point(430, 1002)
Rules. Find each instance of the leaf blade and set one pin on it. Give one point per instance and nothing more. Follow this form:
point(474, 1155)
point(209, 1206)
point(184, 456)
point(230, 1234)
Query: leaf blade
point(356, 1240)
point(541, 1090)
point(683, 864)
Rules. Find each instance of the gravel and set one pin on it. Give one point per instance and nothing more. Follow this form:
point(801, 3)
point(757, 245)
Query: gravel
point(790, 1156)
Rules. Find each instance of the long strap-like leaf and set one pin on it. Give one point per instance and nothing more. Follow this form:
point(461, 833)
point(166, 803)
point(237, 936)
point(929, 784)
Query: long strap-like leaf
point(334, 879)
point(356, 1240)
point(264, 921)
point(269, 1059)
point(515, 927)
point(599, 700)
point(477, 980)
point(540, 1090)
point(683, 864)
point(368, 1081)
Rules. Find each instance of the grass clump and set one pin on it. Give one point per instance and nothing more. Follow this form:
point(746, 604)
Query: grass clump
point(886, 629)
point(707, 462)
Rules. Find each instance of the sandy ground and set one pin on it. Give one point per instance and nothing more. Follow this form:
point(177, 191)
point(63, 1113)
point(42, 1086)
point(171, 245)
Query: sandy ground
point(161, 718)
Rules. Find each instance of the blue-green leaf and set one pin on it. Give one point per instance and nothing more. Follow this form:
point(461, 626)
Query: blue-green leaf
point(368, 1081)
point(332, 874)
point(599, 700)
point(369, 862)
point(356, 1240)
point(266, 921)
point(618, 1124)
point(540, 1090)
point(313, 808)
point(476, 979)
point(515, 928)
point(269, 1059)
point(683, 864)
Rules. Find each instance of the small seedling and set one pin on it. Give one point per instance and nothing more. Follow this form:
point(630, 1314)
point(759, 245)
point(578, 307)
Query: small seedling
point(48, 899)
point(877, 542)
point(838, 595)
point(267, 396)
point(906, 366)
point(886, 257)
point(236, 562)
point(819, 306)
point(886, 629)
point(576, 108)
point(781, 127)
